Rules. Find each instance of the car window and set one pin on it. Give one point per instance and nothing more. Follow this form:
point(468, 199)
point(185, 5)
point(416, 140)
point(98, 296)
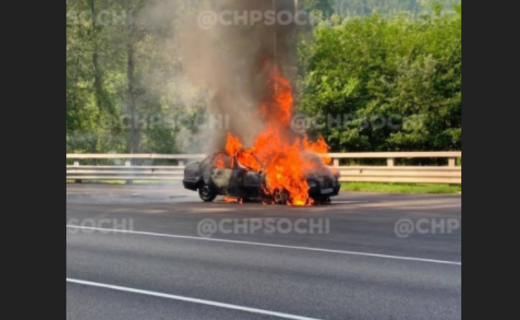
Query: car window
point(248, 161)
point(223, 161)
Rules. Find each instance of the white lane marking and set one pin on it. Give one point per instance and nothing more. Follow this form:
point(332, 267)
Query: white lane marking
point(364, 254)
point(186, 299)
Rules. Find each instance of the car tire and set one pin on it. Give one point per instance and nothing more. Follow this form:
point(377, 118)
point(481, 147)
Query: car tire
point(281, 197)
point(207, 193)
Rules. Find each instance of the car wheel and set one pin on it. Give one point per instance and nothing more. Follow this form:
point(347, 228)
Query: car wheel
point(326, 200)
point(207, 193)
point(281, 196)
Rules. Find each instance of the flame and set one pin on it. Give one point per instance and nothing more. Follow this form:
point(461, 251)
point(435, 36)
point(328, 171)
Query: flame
point(219, 162)
point(232, 200)
point(283, 153)
point(233, 145)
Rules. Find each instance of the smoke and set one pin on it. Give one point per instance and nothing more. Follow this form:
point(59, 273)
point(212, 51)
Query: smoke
point(231, 62)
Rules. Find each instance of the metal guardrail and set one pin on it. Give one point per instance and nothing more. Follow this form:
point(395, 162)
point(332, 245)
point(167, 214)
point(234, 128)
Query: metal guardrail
point(450, 174)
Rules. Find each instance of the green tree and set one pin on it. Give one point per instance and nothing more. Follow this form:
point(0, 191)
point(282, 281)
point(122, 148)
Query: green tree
point(403, 71)
point(122, 76)
point(325, 6)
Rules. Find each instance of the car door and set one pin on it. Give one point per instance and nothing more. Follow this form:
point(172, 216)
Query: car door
point(237, 179)
point(245, 182)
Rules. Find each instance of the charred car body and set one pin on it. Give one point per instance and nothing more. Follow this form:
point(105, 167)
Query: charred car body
point(220, 174)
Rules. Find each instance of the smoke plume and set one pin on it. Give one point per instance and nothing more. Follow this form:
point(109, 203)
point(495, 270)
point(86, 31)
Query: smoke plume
point(233, 63)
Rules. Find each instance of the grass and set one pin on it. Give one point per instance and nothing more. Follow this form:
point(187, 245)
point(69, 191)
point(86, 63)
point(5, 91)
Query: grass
point(401, 188)
point(345, 186)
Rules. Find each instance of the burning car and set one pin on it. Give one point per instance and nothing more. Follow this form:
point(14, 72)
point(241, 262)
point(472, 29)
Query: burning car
point(281, 165)
point(222, 174)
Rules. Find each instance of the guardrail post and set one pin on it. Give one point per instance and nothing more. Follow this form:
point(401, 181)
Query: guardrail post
point(336, 162)
point(181, 163)
point(390, 162)
point(128, 163)
point(452, 162)
point(76, 164)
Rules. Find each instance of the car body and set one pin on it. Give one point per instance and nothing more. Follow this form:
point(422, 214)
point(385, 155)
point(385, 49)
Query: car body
point(220, 174)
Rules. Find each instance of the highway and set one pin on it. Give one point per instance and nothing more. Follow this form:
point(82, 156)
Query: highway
point(137, 252)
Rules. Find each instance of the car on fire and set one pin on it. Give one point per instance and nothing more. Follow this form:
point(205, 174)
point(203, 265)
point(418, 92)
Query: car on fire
point(221, 174)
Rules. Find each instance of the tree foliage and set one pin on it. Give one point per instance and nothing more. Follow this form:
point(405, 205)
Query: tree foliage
point(121, 78)
point(124, 78)
point(395, 83)
point(389, 7)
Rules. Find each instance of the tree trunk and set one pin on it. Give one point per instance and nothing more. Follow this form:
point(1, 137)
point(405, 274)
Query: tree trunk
point(132, 103)
point(98, 84)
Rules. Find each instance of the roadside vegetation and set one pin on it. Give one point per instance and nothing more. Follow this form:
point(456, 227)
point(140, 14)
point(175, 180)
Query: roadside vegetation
point(345, 186)
point(366, 61)
point(401, 188)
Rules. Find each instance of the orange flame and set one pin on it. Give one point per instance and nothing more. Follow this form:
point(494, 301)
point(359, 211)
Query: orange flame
point(284, 154)
point(232, 200)
point(219, 162)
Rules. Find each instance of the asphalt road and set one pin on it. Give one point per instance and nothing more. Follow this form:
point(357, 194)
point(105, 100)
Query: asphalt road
point(137, 252)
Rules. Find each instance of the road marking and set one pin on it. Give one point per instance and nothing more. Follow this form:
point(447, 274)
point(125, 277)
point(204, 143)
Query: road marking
point(186, 299)
point(354, 253)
